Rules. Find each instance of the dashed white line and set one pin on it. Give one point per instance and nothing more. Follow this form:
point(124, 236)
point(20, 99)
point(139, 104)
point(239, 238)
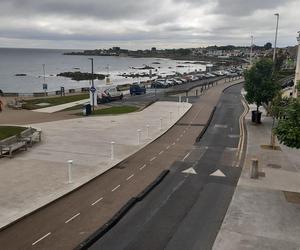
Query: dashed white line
point(40, 239)
point(161, 152)
point(173, 143)
point(184, 131)
point(181, 135)
point(142, 167)
point(187, 155)
point(72, 218)
point(177, 139)
point(129, 177)
point(167, 147)
point(152, 159)
point(95, 202)
point(113, 190)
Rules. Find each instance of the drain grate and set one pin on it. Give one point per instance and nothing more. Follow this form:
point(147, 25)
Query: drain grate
point(292, 197)
point(272, 165)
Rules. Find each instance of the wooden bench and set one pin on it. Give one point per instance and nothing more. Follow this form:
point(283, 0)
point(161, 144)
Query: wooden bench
point(11, 144)
point(31, 135)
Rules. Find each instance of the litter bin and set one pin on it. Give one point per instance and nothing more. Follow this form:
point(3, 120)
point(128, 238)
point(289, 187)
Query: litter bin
point(87, 109)
point(256, 116)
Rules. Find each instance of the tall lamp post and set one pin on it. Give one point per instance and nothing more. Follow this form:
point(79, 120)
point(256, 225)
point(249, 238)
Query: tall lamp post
point(276, 33)
point(92, 89)
point(251, 50)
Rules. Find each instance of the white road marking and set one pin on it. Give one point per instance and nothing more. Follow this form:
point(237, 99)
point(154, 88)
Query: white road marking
point(95, 202)
point(116, 188)
point(189, 171)
point(128, 178)
point(152, 159)
point(221, 126)
point(177, 139)
point(173, 143)
point(142, 167)
point(184, 131)
point(72, 218)
point(181, 135)
point(161, 152)
point(187, 155)
point(168, 147)
point(46, 235)
point(218, 173)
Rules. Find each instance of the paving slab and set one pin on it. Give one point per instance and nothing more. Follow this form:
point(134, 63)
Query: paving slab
point(36, 177)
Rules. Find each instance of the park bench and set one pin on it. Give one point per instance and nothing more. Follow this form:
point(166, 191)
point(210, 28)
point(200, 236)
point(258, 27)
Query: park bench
point(11, 144)
point(31, 135)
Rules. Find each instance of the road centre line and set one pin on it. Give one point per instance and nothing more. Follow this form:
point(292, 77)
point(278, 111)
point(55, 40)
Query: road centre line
point(129, 177)
point(95, 202)
point(161, 152)
point(72, 218)
point(173, 143)
point(177, 139)
point(40, 239)
point(142, 167)
point(168, 147)
point(152, 159)
point(187, 155)
point(113, 190)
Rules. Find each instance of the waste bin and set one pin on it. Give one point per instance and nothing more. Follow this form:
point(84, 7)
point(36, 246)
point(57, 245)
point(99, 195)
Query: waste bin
point(256, 116)
point(87, 109)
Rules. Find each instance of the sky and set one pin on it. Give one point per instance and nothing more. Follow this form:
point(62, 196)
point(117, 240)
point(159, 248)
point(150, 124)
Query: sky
point(142, 24)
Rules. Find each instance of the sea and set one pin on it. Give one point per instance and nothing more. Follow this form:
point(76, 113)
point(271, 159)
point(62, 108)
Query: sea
point(32, 63)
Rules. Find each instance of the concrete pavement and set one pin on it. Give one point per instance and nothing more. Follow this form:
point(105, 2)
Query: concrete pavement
point(39, 175)
point(264, 212)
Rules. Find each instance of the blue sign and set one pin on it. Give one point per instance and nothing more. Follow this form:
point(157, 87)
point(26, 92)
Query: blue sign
point(93, 89)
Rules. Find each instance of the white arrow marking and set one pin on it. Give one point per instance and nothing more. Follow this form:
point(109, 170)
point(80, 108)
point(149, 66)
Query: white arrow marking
point(218, 173)
point(189, 171)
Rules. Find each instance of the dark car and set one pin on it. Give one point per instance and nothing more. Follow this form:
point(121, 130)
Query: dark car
point(136, 89)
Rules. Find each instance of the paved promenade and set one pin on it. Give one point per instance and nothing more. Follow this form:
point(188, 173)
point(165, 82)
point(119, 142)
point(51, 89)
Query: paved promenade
point(264, 212)
point(40, 175)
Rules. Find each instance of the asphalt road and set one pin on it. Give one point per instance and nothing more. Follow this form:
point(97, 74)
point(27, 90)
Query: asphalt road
point(66, 222)
point(186, 210)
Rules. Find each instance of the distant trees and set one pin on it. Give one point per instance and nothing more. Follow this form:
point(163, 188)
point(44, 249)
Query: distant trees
point(268, 46)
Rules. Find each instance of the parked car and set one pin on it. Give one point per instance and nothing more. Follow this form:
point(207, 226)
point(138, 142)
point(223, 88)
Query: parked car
point(137, 89)
point(109, 94)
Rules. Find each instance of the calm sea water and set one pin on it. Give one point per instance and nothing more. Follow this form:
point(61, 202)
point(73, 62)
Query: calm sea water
point(30, 62)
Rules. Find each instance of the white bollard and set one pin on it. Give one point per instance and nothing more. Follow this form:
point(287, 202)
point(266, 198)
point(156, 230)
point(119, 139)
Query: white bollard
point(179, 98)
point(170, 116)
point(178, 108)
point(187, 100)
point(148, 134)
point(139, 136)
point(161, 125)
point(70, 163)
point(112, 150)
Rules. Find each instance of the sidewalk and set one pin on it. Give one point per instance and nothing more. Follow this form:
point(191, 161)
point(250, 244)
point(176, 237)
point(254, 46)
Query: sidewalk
point(264, 213)
point(34, 178)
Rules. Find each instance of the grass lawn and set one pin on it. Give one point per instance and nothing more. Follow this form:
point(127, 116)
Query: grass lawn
point(115, 110)
point(7, 131)
point(53, 101)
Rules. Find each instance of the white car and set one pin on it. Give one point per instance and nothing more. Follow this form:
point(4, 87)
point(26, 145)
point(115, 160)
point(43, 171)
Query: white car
point(109, 94)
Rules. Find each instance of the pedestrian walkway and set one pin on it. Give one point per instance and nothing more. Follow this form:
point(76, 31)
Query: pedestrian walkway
point(61, 107)
point(34, 178)
point(264, 212)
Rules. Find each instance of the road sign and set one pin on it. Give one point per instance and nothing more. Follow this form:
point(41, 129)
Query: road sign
point(93, 89)
point(45, 86)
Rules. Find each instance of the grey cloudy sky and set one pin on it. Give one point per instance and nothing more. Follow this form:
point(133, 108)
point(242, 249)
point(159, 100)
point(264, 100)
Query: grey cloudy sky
point(141, 24)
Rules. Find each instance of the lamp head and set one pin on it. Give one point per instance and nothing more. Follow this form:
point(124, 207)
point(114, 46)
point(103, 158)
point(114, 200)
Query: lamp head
point(298, 37)
point(276, 14)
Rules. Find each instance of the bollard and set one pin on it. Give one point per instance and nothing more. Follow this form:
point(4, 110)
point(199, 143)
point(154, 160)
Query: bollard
point(70, 163)
point(139, 136)
point(170, 116)
point(254, 168)
point(178, 108)
point(187, 100)
point(179, 98)
point(148, 134)
point(196, 92)
point(112, 151)
point(161, 123)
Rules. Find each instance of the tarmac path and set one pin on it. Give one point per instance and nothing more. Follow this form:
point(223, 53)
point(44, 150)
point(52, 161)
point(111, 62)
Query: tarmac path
point(66, 222)
point(186, 210)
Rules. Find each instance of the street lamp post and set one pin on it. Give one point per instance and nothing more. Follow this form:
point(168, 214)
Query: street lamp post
point(93, 87)
point(251, 50)
point(276, 33)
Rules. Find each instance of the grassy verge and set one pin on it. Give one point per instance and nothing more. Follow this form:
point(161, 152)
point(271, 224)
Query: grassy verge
point(7, 131)
point(53, 101)
point(116, 110)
